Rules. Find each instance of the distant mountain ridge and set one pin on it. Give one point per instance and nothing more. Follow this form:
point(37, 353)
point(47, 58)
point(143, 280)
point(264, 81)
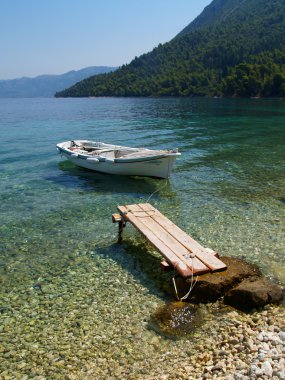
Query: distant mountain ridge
point(47, 85)
point(234, 48)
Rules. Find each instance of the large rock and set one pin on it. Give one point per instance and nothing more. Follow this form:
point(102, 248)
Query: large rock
point(253, 293)
point(241, 285)
point(212, 286)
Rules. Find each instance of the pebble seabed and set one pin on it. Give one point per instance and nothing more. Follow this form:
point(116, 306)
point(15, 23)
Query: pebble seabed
point(91, 321)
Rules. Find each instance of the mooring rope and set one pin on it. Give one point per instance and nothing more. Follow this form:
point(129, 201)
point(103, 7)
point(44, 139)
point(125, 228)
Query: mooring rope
point(157, 190)
point(161, 187)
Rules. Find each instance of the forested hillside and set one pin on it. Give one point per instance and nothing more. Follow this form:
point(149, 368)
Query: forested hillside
point(234, 48)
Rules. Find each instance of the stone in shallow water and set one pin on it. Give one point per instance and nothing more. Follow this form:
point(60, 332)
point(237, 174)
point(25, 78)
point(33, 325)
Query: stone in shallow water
point(176, 319)
point(212, 286)
point(252, 293)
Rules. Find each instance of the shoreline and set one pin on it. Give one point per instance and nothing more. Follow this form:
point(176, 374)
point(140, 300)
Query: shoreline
point(75, 339)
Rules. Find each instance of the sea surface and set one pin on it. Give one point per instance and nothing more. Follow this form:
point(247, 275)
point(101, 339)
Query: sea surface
point(71, 298)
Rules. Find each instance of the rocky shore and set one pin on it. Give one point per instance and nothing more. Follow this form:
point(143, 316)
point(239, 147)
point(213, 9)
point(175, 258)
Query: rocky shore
point(236, 345)
point(93, 322)
point(246, 347)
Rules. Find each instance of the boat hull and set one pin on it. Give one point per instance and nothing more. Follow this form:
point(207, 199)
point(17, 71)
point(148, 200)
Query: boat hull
point(156, 166)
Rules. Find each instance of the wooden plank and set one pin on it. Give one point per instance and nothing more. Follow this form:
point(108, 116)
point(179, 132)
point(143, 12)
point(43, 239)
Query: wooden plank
point(207, 258)
point(116, 218)
point(164, 265)
point(170, 224)
point(212, 252)
point(155, 241)
point(171, 243)
point(182, 268)
point(184, 255)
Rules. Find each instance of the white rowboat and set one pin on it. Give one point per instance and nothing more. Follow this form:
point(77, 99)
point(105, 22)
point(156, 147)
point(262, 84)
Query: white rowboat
point(120, 160)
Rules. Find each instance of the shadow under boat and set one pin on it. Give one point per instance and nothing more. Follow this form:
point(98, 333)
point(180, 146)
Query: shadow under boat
point(76, 177)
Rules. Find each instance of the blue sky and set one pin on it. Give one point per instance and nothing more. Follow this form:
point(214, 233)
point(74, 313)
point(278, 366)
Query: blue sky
point(56, 36)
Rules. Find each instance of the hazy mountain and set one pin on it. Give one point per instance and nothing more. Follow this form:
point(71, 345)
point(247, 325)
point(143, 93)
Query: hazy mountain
point(46, 85)
point(233, 48)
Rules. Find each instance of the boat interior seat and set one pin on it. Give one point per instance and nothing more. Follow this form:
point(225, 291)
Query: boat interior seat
point(122, 152)
point(105, 152)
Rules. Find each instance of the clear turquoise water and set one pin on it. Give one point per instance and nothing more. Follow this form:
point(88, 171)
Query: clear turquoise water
point(58, 248)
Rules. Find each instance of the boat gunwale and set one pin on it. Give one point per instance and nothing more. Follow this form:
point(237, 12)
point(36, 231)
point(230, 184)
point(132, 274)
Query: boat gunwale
point(118, 160)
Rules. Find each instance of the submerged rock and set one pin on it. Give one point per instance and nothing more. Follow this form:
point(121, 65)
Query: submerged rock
point(176, 319)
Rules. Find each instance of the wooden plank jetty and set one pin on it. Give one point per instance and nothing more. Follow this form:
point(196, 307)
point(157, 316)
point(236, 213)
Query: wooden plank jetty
point(180, 251)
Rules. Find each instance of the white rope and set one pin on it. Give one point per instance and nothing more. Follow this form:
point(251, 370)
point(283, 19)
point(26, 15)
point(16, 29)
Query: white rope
point(190, 290)
point(192, 283)
point(175, 288)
